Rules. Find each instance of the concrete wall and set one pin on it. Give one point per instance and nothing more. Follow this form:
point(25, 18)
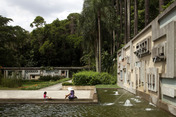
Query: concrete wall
point(35, 74)
point(152, 67)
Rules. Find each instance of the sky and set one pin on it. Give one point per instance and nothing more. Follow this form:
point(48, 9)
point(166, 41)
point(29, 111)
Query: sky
point(23, 12)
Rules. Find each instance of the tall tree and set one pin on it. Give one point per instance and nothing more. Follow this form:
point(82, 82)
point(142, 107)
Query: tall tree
point(146, 12)
point(89, 23)
point(99, 40)
point(118, 31)
point(125, 20)
point(73, 19)
point(121, 20)
point(128, 19)
point(14, 43)
point(135, 17)
point(92, 14)
point(161, 3)
point(38, 22)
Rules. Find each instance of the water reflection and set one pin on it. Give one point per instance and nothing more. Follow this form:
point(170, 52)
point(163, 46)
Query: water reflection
point(109, 106)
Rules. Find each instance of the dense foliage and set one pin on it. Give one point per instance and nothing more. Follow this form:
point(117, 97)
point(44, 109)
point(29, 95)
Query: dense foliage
point(11, 82)
point(67, 84)
point(92, 78)
point(55, 44)
point(87, 39)
point(50, 78)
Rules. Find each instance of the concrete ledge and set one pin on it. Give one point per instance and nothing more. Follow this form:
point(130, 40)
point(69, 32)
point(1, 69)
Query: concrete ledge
point(159, 103)
point(36, 96)
point(48, 101)
point(79, 87)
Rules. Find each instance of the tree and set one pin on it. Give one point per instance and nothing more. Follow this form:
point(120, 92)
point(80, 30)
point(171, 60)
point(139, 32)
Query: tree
point(125, 20)
point(92, 9)
point(121, 22)
point(128, 20)
point(73, 19)
point(146, 12)
point(38, 22)
point(57, 44)
point(14, 44)
point(161, 3)
point(135, 17)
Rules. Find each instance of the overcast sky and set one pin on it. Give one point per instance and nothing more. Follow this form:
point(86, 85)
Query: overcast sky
point(23, 12)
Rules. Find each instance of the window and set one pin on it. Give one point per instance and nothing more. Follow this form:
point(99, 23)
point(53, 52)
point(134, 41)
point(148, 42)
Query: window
point(121, 75)
point(153, 82)
point(33, 76)
point(31, 71)
point(63, 73)
point(151, 79)
point(136, 80)
point(142, 48)
point(9, 73)
point(120, 58)
point(148, 80)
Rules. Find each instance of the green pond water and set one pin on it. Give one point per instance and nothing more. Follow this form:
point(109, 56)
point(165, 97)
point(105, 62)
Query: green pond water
point(112, 103)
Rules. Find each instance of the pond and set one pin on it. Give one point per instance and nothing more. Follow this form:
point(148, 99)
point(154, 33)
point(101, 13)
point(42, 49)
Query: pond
point(112, 103)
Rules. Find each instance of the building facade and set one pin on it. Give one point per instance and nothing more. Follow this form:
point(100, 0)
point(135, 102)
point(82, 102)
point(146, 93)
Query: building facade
point(34, 73)
point(147, 64)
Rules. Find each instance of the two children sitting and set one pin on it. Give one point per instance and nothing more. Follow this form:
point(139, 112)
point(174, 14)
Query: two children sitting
point(70, 96)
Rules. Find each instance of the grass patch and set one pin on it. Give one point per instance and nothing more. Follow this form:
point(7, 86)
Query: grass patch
point(107, 86)
point(7, 88)
point(35, 84)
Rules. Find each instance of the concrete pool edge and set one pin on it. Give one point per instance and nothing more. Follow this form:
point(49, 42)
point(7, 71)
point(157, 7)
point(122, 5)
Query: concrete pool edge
point(158, 102)
point(47, 101)
point(87, 96)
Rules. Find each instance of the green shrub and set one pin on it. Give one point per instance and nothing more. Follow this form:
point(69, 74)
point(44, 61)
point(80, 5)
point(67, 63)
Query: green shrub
point(11, 82)
point(113, 80)
point(105, 78)
point(67, 84)
point(1, 76)
point(92, 78)
point(94, 81)
point(48, 78)
point(84, 78)
point(55, 78)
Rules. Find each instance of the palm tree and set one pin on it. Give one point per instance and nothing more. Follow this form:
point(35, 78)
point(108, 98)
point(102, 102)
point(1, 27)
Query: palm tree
point(135, 17)
point(91, 22)
point(161, 3)
point(118, 37)
point(88, 25)
point(121, 19)
point(146, 12)
point(125, 15)
point(128, 20)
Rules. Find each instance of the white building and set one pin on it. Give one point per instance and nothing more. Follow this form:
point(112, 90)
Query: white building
point(34, 73)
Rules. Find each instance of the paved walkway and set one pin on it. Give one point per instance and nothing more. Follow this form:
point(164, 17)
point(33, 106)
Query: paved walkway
point(34, 94)
point(53, 91)
point(54, 87)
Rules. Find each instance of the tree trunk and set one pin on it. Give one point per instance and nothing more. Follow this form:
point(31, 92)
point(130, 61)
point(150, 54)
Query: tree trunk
point(118, 30)
point(161, 3)
point(121, 20)
point(128, 20)
point(99, 41)
point(135, 17)
point(96, 54)
point(125, 20)
point(113, 49)
point(146, 12)
point(121, 16)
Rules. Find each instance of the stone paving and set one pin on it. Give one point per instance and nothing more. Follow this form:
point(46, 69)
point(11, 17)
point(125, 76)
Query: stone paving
point(54, 87)
point(55, 92)
point(18, 94)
